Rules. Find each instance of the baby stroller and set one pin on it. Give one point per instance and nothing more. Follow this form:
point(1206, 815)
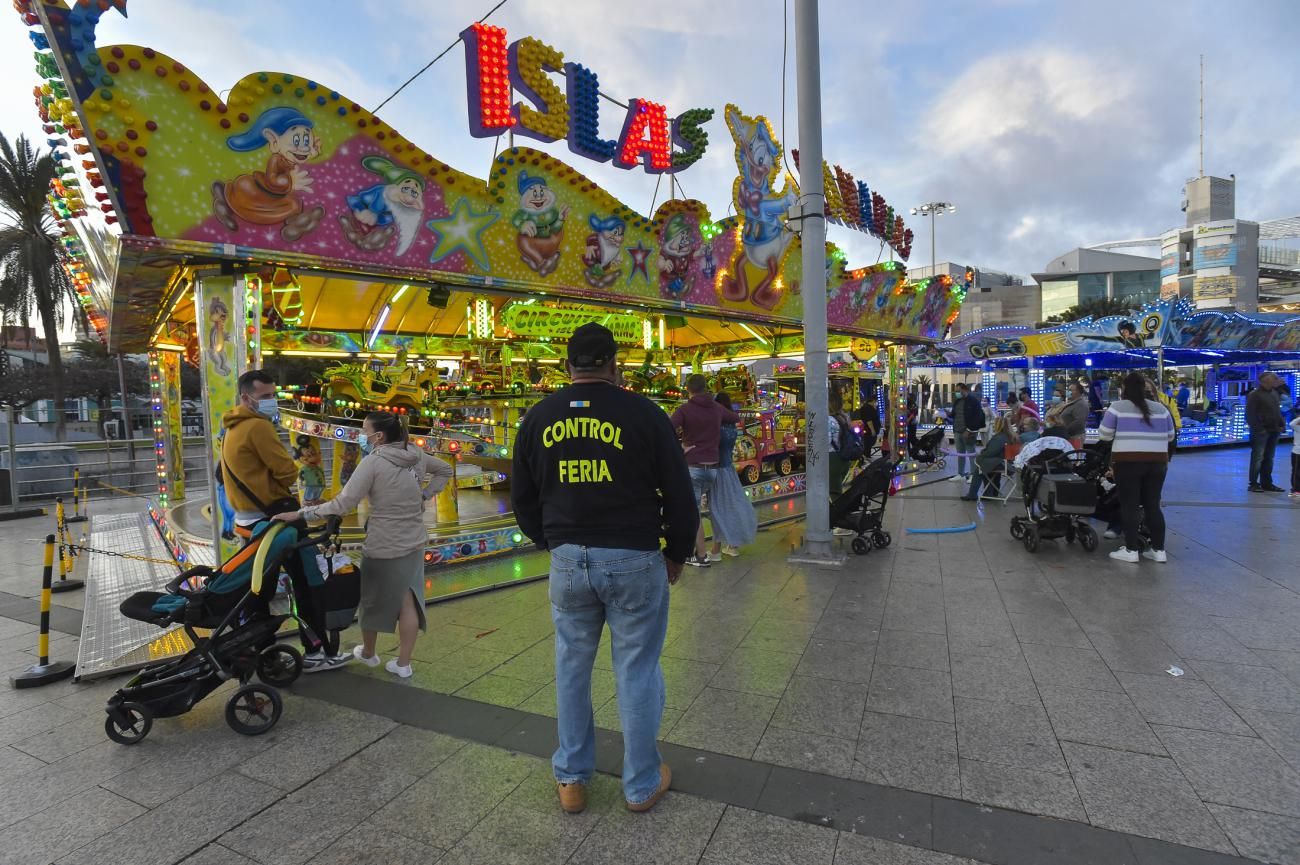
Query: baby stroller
point(925, 449)
point(1059, 496)
point(861, 508)
point(232, 602)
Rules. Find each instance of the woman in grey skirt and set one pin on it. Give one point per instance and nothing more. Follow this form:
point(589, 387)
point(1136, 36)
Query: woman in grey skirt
point(392, 477)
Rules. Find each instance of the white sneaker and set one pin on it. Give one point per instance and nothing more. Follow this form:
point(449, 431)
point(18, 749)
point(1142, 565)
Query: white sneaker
point(372, 661)
point(1123, 554)
point(398, 670)
point(1155, 555)
point(1110, 534)
point(960, 479)
point(843, 533)
point(728, 550)
point(715, 557)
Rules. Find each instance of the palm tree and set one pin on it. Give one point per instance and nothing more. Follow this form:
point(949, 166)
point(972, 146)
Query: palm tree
point(1098, 307)
point(32, 277)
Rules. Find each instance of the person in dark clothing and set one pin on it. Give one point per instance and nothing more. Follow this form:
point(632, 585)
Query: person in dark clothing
point(599, 477)
point(869, 414)
point(1264, 418)
point(699, 423)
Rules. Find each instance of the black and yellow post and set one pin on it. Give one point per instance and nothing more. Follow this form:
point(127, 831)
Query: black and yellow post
point(43, 672)
point(77, 496)
point(64, 584)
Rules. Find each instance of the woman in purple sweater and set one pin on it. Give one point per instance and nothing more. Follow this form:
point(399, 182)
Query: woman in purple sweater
point(1141, 432)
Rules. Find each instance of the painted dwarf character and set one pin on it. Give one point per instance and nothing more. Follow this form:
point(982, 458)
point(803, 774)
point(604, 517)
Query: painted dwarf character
point(603, 247)
point(270, 197)
point(540, 223)
point(395, 206)
point(679, 247)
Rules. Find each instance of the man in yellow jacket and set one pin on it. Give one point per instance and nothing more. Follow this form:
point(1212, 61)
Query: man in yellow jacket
point(258, 474)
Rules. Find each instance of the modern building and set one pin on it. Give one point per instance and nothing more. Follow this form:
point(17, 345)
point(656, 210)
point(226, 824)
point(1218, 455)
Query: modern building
point(1214, 259)
point(995, 298)
point(1083, 275)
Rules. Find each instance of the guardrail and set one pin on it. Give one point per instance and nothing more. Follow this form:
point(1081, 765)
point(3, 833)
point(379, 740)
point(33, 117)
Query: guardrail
point(106, 468)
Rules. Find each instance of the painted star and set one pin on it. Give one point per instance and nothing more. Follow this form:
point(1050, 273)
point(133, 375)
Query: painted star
point(462, 230)
point(640, 255)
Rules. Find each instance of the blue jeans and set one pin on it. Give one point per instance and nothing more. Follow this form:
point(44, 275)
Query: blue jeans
point(992, 483)
point(702, 478)
point(1262, 445)
point(629, 590)
point(965, 453)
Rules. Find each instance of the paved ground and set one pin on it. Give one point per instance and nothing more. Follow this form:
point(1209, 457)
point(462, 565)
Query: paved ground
point(875, 699)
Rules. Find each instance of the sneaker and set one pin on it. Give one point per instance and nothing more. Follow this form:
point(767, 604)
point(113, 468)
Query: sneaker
point(319, 662)
point(697, 561)
point(1123, 554)
point(573, 797)
point(1110, 534)
point(665, 779)
point(1294, 494)
point(843, 533)
point(1254, 488)
point(959, 478)
point(1272, 488)
point(728, 550)
point(1155, 555)
point(372, 661)
point(715, 557)
point(398, 670)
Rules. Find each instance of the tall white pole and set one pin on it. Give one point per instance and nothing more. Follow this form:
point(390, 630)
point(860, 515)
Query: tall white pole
point(812, 205)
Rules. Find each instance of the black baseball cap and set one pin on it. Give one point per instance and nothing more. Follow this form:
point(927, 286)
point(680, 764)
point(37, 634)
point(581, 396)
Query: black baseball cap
point(591, 346)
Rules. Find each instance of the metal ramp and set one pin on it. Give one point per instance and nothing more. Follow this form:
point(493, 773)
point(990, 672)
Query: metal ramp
point(110, 642)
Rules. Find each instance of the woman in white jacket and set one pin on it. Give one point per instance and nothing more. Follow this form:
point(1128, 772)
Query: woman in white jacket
point(392, 477)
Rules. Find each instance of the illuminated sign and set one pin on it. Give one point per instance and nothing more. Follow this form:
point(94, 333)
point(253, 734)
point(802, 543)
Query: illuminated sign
point(494, 72)
point(852, 204)
point(531, 320)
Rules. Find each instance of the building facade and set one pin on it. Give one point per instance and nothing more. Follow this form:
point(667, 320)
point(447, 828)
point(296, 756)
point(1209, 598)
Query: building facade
point(995, 298)
point(1083, 275)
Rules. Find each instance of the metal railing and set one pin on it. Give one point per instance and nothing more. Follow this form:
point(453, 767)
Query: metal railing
point(101, 469)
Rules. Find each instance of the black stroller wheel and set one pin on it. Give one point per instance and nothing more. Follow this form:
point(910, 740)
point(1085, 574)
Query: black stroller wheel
point(861, 546)
point(1017, 528)
point(253, 710)
point(882, 539)
point(279, 666)
point(1030, 539)
point(128, 724)
point(1087, 538)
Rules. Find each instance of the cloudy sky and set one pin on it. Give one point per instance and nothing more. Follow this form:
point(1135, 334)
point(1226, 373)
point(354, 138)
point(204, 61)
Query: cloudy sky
point(1050, 124)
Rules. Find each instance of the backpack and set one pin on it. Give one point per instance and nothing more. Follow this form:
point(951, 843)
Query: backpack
point(851, 446)
point(975, 419)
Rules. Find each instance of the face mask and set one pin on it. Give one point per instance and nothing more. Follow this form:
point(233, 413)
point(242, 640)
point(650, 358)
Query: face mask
point(364, 443)
point(268, 407)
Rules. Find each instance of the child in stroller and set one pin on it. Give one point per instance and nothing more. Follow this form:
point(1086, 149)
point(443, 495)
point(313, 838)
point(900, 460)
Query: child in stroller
point(1060, 493)
point(231, 602)
point(925, 449)
point(861, 508)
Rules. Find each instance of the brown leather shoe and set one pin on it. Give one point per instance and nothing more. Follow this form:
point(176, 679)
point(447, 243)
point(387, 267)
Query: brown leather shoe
point(573, 797)
point(665, 779)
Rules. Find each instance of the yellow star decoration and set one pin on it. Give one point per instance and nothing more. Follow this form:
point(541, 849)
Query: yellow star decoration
point(462, 230)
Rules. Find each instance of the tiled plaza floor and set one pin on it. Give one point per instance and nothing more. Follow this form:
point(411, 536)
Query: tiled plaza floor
point(956, 666)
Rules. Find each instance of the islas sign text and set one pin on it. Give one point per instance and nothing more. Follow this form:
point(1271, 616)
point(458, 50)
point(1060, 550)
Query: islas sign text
point(495, 71)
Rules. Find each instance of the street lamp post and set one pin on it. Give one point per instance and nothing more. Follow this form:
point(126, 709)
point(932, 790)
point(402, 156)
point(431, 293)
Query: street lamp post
point(933, 209)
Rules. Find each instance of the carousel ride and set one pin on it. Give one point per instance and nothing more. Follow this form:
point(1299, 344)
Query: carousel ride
point(230, 227)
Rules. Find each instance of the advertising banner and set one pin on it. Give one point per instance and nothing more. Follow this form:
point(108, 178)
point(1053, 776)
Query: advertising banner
point(1206, 257)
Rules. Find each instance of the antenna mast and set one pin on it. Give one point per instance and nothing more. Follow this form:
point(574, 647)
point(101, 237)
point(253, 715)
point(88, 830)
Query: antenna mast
point(1202, 165)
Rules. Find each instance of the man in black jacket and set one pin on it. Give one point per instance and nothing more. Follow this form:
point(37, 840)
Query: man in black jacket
point(599, 477)
point(1264, 419)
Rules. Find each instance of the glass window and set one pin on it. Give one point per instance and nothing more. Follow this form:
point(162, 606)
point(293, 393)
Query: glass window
point(1142, 286)
point(1059, 295)
point(1092, 286)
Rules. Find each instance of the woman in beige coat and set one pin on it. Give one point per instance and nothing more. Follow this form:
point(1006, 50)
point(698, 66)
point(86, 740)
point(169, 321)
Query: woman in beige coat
point(392, 478)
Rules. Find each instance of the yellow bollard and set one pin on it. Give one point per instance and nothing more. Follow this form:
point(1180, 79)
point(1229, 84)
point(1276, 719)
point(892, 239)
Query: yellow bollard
point(43, 672)
point(77, 495)
point(65, 552)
